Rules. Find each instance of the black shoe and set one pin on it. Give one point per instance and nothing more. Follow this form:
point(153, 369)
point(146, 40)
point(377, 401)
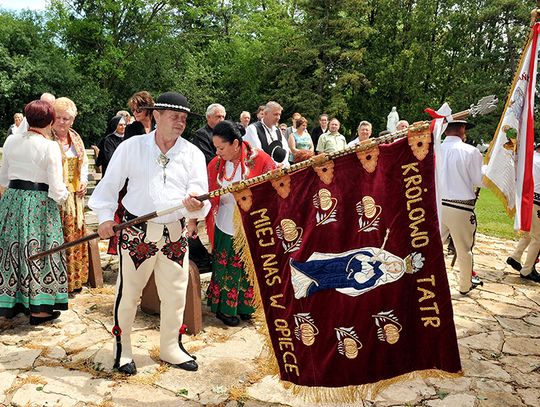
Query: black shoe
point(228, 320)
point(533, 276)
point(245, 317)
point(128, 369)
point(181, 346)
point(40, 320)
point(476, 282)
point(516, 265)
point(190, 366)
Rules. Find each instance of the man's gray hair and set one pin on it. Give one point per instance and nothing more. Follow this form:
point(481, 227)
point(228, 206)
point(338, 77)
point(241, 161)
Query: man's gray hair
point(365, 123)
point(210, 110)
point(47, 97)
point(271, 106)
point(402, 122)
point(245, 113)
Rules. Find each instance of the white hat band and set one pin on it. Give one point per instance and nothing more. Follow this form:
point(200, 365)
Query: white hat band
point(172, 106)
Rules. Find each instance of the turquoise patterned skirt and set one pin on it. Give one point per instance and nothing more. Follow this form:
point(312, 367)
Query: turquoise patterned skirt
point(30, 223)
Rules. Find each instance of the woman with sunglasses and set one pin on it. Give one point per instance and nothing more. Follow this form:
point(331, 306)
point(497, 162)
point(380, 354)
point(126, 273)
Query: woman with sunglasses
point(144, 121)
point(143, 124)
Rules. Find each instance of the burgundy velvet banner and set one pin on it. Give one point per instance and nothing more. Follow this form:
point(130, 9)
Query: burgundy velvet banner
point(351, 271)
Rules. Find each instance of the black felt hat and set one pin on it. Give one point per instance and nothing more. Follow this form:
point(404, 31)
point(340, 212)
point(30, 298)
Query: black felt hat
point(276, 151)
point(171, 101)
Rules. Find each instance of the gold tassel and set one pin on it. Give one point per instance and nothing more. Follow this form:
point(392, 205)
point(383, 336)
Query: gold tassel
point(350, 394)
point(241, 247)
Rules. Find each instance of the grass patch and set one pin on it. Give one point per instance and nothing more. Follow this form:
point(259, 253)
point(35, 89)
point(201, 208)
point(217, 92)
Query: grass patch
point(492, 218)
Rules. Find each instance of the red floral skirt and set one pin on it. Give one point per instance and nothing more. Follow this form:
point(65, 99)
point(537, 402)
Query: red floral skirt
point(229, 291)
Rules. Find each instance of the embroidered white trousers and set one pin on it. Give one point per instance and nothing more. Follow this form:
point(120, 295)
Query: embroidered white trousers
point(171, 283)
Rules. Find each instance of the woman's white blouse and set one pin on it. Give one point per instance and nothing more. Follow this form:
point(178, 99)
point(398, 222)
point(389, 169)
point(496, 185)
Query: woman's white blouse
point(31, 157)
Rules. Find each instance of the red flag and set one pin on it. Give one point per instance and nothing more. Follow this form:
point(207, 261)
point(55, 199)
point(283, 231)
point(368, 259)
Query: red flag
point(349, 265)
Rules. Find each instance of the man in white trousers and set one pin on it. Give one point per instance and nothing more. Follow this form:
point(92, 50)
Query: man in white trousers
point(459, 168)
point(163, 170)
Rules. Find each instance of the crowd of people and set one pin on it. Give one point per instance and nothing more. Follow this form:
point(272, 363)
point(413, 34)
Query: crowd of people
point(149, 165)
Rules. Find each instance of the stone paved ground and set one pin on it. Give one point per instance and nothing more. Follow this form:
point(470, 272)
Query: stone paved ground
point(68, 363)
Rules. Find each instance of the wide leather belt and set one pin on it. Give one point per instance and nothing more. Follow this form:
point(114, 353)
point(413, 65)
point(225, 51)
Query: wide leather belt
point(465, 205)
point(28, 185)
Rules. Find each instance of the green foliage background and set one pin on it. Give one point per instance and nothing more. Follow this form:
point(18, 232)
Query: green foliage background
point(354, 59)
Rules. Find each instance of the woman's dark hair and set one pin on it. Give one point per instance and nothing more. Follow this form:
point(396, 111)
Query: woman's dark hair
point(228, 131)
point(39, 114)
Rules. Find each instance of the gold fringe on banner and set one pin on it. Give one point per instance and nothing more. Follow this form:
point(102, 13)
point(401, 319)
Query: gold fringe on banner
point(350, 394)
point(241, 247)
point(499, 194)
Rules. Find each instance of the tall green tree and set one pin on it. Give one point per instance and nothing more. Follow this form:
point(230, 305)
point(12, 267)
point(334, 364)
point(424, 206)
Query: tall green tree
point(353, 59)
point(27, 64)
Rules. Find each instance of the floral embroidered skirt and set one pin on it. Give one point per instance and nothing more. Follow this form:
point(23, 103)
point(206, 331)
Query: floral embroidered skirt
point(230, 291)
point(30, 223)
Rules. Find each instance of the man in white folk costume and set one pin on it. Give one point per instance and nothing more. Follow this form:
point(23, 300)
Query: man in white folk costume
point(164, 170)
point(460, 171)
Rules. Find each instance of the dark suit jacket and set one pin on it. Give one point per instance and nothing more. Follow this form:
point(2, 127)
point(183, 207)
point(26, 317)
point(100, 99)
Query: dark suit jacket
point(107, 147)
point(315, 134)
point(202, 138)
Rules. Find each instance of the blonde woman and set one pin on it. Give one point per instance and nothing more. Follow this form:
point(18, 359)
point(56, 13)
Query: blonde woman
point(75, 173)
point(17, 120)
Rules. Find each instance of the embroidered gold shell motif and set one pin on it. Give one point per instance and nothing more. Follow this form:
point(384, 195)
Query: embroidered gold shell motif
point(325, 198)
point(290, 235)
point(305, 330)
point(368, 214)
point(388, 327)
point(348, 342)
point(326, 205)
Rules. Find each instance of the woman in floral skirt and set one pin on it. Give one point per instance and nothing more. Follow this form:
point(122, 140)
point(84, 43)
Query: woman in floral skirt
point(230, 294)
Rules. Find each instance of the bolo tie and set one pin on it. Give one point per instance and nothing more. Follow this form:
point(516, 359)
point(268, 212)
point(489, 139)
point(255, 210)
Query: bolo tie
point(162, 161)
